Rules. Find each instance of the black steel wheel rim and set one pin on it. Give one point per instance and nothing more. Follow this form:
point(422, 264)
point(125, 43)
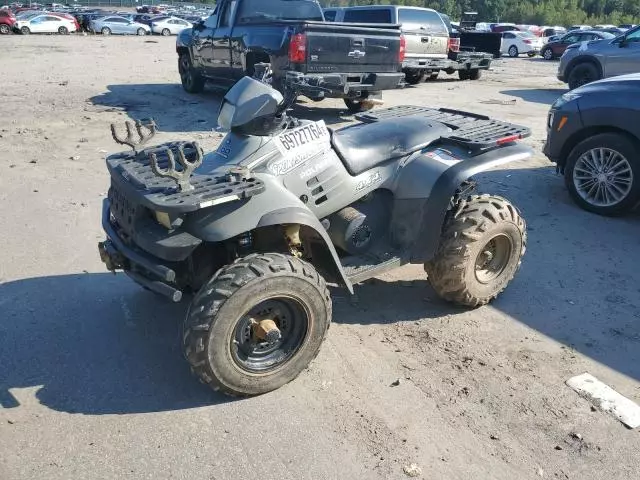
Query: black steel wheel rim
point(255, 356)
point(493, 258)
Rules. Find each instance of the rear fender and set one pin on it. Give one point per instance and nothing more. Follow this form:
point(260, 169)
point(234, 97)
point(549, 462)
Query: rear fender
point(424, 189)
point(275, 206)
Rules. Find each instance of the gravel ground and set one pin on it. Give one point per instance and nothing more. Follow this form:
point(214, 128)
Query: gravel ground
point(92, 381)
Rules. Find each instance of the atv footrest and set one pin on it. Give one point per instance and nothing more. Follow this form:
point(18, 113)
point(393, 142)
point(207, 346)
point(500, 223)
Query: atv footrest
point(134, 178)
point(470, 130)
point(376, 261)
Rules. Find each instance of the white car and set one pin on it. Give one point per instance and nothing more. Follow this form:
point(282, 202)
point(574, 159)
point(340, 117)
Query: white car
point(169, 26)
point(514, 43)
point(45, 24)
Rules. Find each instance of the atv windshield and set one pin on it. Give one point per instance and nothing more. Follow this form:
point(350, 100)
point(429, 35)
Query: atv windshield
point(258, 11)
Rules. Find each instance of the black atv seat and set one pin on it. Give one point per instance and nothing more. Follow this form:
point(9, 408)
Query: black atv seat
point(365, 145)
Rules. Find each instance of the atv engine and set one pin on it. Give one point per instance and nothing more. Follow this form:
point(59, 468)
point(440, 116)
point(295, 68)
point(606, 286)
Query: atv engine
point(356, 227)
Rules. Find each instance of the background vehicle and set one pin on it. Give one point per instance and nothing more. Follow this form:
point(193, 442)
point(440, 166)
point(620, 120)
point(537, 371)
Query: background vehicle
point(516, 43)
point(283, 206)
point(7, 21)
point(593, 136)
point(47, 23)
point(354, 62)
point(430, 47)
point(118, 25)
point(169, 26)
point(553, 50)
point(586, 62)
point(504, 27)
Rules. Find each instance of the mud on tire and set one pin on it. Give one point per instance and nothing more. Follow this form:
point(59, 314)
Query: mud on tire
point(480, 225)
point(211, 326)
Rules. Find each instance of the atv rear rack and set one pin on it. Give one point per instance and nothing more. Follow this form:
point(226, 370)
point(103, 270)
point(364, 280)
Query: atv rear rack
point(132, 174)
point(472, 131)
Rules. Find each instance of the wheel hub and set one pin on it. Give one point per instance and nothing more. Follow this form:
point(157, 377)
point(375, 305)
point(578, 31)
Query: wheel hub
point(493, 258)
point(265, 330)
point(602, 177)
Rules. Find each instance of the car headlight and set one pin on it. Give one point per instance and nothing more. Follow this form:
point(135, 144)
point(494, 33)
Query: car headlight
point(564, 99)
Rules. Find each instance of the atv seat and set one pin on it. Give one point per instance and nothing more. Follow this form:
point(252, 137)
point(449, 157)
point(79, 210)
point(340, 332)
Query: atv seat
point(366, 145)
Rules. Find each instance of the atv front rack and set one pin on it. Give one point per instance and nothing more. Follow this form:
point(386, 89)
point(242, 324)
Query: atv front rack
point(133, 176)
point(472, 131)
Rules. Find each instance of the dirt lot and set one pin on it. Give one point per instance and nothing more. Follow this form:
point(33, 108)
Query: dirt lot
point(92, 381)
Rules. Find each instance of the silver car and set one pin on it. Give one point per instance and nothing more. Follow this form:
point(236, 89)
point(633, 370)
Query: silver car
point(118, 25)
point(586, 62)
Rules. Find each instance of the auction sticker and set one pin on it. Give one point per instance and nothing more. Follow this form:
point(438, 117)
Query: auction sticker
point(443, 156)
point(299, 145)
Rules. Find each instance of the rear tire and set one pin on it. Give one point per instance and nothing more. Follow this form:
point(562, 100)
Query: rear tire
point(475, 74)
point(105, 31)
point(357, 106)
point(413, 77)
point(192, 81)
point(480, 251)
point(464, 74)
point(547, 54)
point(582, 74)
point(513, 51)
point(63, 31)
point(433, 76)
point(165, 32)
point(220, 340)
point(141, 32)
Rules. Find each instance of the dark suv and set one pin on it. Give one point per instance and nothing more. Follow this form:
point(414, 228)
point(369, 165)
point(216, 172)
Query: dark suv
point(593, 136)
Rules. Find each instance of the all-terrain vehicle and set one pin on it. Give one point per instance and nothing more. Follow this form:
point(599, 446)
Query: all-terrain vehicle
point(284, 206)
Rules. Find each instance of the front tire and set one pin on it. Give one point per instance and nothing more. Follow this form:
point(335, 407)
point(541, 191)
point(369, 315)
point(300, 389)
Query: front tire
point(4, 29)
point(513, 51)
point(141, 32)
point(25, 31)
point(480, 251)
point(223, 337)
point(105, 31)
point(602, 174)
point(582, 74)
point(475, 74)
point(191, 80)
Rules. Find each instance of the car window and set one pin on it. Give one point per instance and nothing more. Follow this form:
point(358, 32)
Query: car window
point(573, 38)
point(633, 37)
point(508, 35)
point(212, 21)
point(261, 10)
point(227, 9)
point(330, 15)
point(119, 20)
point(416, 19)
point(369, 15)
point(52, 19)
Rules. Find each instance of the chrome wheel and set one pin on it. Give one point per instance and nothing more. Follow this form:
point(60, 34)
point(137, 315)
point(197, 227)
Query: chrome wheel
point(602, 177)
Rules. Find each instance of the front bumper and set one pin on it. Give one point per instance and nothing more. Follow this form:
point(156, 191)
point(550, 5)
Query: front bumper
point(562, 125)
point(143, 268)
point(346, 85)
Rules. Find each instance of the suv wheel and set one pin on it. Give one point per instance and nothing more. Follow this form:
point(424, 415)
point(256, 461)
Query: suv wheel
point(413, 77)
point(582, 74)
point(602, 174)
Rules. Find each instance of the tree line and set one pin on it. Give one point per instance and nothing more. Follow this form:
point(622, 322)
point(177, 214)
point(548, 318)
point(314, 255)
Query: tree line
point(535, 12)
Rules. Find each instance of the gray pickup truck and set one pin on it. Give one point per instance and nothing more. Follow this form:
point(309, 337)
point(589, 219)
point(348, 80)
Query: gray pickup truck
point(353, 62)
point(431, 46)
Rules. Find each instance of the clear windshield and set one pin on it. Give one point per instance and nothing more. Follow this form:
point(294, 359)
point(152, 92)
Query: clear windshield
point(252, 11)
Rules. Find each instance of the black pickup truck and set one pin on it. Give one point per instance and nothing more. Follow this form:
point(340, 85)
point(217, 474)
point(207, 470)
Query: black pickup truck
point(354, 62)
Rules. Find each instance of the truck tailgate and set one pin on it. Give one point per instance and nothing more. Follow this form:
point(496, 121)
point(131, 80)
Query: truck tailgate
point(352, 48)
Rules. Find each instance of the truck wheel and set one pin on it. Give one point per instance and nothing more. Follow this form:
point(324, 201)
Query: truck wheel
point(413, 77)
point(602, 174)
point(582, 74)
point(433, 76)
point(191, 80)
point(357, 105)
point(480, 251)
point(464, 74)
point(257, 324)
point(475, 74)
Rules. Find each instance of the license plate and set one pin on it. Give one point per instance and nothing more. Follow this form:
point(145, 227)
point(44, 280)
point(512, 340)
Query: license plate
point(298, 145)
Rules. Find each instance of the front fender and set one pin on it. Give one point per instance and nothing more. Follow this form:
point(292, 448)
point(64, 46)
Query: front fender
point(434, 207)
point(275, 206)
point(183, 40)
